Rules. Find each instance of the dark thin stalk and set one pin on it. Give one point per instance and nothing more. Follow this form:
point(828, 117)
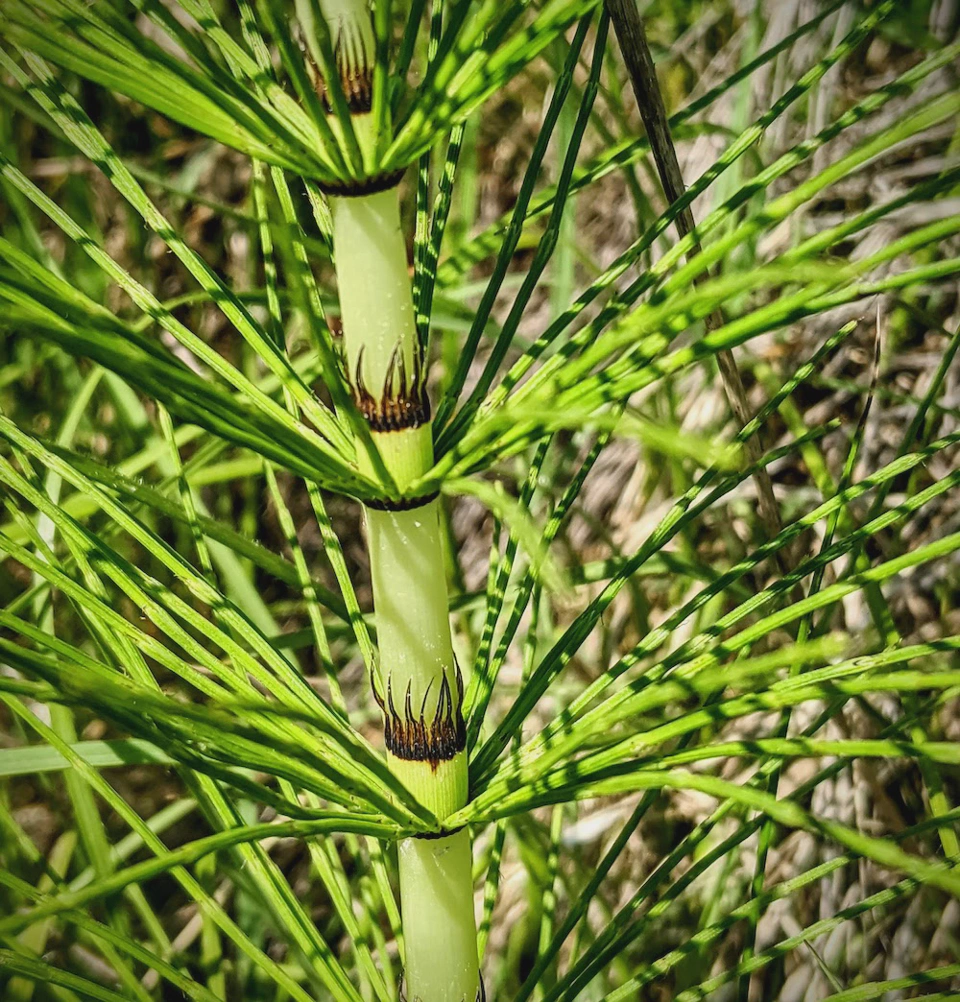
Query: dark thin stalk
point(628, 26)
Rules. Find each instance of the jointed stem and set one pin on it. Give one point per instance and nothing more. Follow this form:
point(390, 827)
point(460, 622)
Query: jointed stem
point(419, 686)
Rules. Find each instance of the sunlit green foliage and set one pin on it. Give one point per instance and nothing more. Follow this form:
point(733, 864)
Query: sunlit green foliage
point(127, 600)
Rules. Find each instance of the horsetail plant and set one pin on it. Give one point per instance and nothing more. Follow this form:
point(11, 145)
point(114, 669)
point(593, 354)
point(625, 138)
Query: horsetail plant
point(420, 685)
point(136, 599)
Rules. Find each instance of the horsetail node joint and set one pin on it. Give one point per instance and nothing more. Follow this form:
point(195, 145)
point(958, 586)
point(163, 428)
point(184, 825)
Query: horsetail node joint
point(355, 69)
point(352, 57)
point(442, 833)
point(481, 992)
point(401, 504)
point(359, 187)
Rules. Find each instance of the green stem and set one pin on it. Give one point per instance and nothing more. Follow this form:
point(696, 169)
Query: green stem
point(419, 684)
point(376, 303)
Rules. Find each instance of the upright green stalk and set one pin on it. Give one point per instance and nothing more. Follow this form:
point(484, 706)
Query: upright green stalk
point(420, 688)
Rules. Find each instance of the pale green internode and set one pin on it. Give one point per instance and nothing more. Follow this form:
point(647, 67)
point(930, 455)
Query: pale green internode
point(373, 282)
point(440, 785)
point(406, 455)
point(438, 922)
point(410, 599)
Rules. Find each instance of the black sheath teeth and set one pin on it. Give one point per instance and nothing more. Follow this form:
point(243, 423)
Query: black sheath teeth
point(403, 402)
point(418, 737)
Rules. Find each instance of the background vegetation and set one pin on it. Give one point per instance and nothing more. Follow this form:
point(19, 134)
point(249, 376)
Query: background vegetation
point(710, 760)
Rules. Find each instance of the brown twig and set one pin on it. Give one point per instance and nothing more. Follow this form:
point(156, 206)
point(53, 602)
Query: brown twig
point(628, 26)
